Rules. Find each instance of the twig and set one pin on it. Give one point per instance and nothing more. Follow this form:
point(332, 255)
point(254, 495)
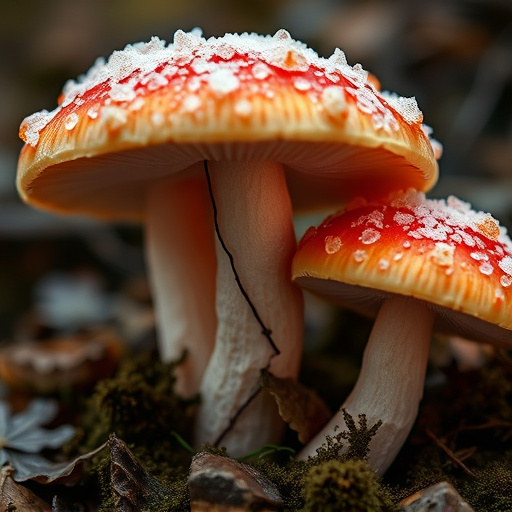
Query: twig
point(449, 452)
point(492, 423)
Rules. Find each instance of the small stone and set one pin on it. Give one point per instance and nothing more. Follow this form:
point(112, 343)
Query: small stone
point(441, 497)
point(221, 484)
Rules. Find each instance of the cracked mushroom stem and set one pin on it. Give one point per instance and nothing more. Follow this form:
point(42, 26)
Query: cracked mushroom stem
point(255, 223)
point(180, 250)
point(390, 384)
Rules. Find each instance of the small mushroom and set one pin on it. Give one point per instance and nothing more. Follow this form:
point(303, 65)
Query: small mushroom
point(275, 122)
point(50, 365)
point(418, 265)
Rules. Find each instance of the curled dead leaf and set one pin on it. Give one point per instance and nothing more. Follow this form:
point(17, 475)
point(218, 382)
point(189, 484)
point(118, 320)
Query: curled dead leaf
point(134, 488)
point(15, 496)
point(299, 406)
point(221, 484)
point(43, 471)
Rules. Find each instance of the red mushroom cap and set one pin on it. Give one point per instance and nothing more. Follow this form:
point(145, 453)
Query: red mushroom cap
point(457, 260)
point(155, 109)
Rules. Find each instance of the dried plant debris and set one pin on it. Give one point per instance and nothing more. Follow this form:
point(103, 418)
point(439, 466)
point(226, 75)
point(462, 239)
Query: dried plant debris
point(223, 484)
point(300, 407)
point(61, 363)
point(440, 497)
point(358, 436)
point(133, 487)
point(16, 497)
point(23, 439)
point(128, 485)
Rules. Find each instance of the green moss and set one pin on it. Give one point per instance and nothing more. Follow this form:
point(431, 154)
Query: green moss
point(293, 476)
point(289, 479)
point(350, 486)
point(491, 491)
point(139, 405)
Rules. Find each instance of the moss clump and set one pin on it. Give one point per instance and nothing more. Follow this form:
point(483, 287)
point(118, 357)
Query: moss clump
point(294, 476)
point(139, 405)
point(350, 486)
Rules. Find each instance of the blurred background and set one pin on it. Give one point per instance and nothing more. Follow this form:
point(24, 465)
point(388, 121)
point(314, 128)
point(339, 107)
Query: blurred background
point(454, 56)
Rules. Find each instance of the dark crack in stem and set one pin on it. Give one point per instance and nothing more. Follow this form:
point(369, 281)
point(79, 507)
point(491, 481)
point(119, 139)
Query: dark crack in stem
point(264, 329)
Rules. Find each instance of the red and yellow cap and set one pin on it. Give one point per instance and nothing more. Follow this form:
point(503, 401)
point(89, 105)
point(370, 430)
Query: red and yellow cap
point(455, 259)
point(154, 109)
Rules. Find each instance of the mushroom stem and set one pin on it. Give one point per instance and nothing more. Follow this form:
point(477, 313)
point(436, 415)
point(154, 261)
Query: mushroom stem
point(255, 223)
point(182, 267)
point(390, 384)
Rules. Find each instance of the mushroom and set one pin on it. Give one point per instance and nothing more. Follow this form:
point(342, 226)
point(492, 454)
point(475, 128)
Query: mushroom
point(61, 363)
point(419, 265)
point(275, 122)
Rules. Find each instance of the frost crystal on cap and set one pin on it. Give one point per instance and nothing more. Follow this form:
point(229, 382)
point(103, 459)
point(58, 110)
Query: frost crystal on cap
point(224, 65)
point(449, 224)
point(33, 124)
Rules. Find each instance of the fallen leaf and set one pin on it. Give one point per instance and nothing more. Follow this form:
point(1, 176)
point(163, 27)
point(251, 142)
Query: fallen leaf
point(14, 496)
point(133, 486)
point(223, 484)
point(440, 496)
point(44, 471)
point(299, 406)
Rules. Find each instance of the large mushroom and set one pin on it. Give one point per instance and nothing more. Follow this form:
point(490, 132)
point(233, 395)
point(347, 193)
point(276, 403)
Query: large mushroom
point(418, 265)
point(127, 142)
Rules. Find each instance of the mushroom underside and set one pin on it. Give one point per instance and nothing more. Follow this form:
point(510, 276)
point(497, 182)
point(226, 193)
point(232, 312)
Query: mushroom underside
point(449, 320)
point(113, 185)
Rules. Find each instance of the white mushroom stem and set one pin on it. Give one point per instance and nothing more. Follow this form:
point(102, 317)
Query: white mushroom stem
point(391, 381)
point(255, 223)
point(182, 268)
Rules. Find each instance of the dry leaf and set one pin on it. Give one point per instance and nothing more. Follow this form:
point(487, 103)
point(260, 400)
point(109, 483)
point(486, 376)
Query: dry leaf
point(299, 406)
point(133, 486)
point(226, 485)
point(14, 496)
point(441, 496)
point(44, 471)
